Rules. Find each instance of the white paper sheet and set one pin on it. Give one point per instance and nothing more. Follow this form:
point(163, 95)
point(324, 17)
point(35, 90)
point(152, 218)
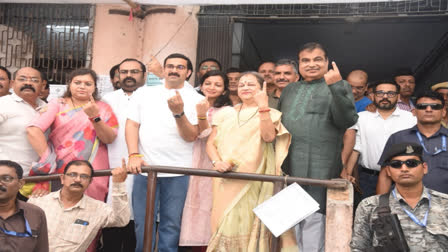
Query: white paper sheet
point(285, 209)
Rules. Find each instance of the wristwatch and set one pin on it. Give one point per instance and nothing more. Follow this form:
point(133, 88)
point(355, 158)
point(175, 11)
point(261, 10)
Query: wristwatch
point(179, 115)
point(96, 119)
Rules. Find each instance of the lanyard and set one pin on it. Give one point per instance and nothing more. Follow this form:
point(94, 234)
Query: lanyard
point(437, 151)
point(412, 216)
point(27, 233)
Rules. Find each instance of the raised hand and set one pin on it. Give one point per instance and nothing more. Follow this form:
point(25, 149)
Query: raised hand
point(176, 104)
point(261, 97)
point(155, 67)
point(202, 107)
point(119, 174)
point(91, 108)
point(333, 75)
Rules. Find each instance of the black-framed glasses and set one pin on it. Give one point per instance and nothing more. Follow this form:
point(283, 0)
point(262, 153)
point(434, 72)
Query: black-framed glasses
point(74, 175)
point(132, 71)
point(433, 106)
point(390, 94)
point(178, 67)
point(410, 163)
point(7, 179)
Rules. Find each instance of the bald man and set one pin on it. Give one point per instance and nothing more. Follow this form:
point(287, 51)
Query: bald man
point(358, 80)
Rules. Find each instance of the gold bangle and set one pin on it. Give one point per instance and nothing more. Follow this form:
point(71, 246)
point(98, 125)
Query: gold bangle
point(202, 118)
point(135, 155)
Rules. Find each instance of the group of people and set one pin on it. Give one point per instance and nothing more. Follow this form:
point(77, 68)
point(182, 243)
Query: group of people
point(293, 119)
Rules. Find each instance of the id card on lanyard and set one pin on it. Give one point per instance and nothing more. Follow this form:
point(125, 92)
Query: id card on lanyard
point(27, 233)
point(414, 218)
point(436, 151)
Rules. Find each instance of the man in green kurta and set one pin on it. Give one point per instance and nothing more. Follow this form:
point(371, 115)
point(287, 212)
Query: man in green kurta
point(316, 111)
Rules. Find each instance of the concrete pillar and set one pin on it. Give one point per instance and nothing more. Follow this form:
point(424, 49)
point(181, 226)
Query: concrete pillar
point(339, 219)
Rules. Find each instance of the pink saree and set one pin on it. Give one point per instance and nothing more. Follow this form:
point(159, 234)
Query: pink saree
point(73, 137)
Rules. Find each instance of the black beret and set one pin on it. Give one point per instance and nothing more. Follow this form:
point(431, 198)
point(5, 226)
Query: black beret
point(403, 149)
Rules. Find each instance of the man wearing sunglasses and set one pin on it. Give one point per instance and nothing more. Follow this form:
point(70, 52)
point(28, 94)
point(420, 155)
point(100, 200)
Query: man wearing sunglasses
point(431, 136)
point(23, 226)
point(421, 211)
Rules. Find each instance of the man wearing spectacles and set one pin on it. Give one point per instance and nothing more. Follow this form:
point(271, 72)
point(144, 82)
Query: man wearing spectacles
point(431, 136)
point(372, 132)
point(204, 66)
point(16, 112)
point(73, 218)
point(23, 226)
point(421, 211)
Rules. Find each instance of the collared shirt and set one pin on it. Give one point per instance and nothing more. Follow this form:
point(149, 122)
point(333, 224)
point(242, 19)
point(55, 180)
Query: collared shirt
point(159, 139)
point(273, 100)
point(437, 176)
point(404, 106)
point(433, 237)
point(16, 222)
point(15, 115)
point(73, 229)
point(372, 132)
point(119, 102)
point(362, 104)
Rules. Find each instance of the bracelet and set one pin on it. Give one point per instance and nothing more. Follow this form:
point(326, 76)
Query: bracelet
point(264, 110)
point(135, 155)
point(202, 118)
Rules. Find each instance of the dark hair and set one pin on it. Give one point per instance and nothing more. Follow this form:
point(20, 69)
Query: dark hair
point(178, 55)
point(432, 95)
point(43, 76)
point(8, 73)
point(288, 62)
point(79, 163)
point(112, 71)
point(223, 99)
point(375, 84)
point(311, 46)
point(212, 60)
point(233, 70)
point(258, 76)
point(12, 164)
point(264, 62)
point(403, 72)
point(78, 72)
point(142, 66)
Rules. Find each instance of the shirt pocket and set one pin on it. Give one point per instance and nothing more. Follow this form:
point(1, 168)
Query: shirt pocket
point(75, 233)
point(318, 104)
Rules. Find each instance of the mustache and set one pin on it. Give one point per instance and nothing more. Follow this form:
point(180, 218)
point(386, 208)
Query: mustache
point(77, 184)
point(27, 86)
point(129, 78)
point(2, 188)
point(282, 80)
point(385, 100)
point(175, 74)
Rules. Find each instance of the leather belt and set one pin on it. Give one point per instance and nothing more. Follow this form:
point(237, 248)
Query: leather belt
point(369, 171)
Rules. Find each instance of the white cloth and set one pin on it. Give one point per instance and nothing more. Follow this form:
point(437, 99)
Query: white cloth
point(159, 139)
point(119, 102)
point(15, 115)
point(372, 132)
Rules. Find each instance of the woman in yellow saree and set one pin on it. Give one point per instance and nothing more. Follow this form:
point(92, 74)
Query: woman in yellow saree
point(242, 141)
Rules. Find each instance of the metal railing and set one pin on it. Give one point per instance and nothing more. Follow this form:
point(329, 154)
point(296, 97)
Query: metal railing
point(278, 181)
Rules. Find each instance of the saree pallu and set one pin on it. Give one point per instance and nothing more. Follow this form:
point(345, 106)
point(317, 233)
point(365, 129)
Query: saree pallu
point(73, 137)
point(238, 141)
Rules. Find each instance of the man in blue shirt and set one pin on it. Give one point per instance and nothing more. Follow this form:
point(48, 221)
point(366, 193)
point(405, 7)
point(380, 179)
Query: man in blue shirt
point(358, 81)
point(429, 134)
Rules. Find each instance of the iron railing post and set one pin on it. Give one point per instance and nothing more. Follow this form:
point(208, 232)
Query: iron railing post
point(149, 218)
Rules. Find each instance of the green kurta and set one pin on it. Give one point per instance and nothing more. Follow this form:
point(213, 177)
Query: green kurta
point(317, 116)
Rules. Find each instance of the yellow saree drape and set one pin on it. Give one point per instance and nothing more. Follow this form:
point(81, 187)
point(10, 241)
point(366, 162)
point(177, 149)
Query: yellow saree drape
point(235, 227)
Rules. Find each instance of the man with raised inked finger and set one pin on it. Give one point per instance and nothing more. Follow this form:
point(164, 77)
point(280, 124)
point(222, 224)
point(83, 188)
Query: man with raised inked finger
point(421, 212)
point(428, 133)
point(316, 111)
point(74, 218)
point(161, 127)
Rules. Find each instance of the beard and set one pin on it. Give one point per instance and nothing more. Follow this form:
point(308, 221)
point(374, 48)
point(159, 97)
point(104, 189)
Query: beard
point(388, 106)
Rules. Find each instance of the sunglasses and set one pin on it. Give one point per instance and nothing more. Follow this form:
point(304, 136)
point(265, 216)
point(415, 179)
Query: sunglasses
point(434, 106)
point(410, 163)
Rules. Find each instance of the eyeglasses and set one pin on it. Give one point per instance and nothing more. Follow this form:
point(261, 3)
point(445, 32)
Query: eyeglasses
point(209, 67)
point(178, 67)
point(390, 94)
point(74, 175)
point(434, 106)
point(7, 179)
point(132, 71)
point(31, 79)
point(410, 163)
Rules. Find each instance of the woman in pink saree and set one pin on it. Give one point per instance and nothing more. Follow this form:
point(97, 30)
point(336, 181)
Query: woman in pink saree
point(80, 127)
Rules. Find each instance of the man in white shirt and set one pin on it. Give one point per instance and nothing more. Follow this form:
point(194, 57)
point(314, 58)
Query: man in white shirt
point(160, 130)
point(16, 112)
point(132, 75)
point(372, 132)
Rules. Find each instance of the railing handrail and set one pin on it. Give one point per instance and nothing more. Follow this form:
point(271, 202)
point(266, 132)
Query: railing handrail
point(334, 183)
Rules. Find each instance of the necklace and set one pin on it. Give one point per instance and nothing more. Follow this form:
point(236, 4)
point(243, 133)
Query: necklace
point(244, 121)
